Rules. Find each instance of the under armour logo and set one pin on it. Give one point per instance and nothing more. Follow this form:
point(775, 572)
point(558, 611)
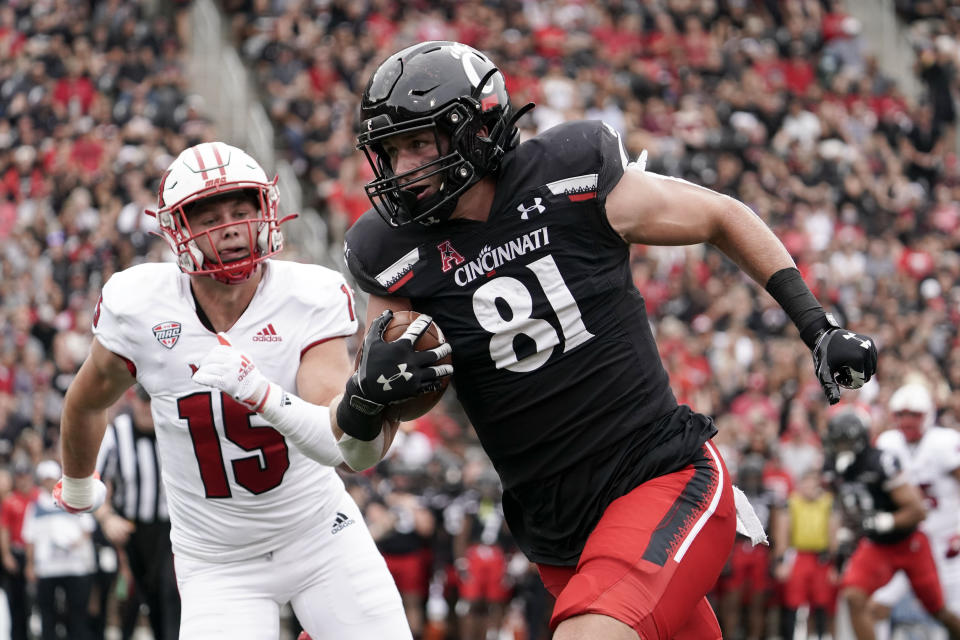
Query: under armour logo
point(539, 208)
point(863, 343)
point(402, 374)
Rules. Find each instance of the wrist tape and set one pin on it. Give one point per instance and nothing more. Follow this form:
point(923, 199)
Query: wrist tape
point(361, 454)
point(792, 293)
point(78, 492)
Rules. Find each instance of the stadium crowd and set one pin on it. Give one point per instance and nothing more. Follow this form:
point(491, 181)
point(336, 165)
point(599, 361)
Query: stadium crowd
point(779, 104)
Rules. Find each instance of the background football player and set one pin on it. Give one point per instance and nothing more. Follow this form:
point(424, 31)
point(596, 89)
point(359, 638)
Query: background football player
point(931, 456)
point(879, 500)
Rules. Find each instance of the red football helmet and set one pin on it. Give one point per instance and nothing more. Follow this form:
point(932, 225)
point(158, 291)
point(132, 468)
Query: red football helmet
point(213, 169)
point(913, 410)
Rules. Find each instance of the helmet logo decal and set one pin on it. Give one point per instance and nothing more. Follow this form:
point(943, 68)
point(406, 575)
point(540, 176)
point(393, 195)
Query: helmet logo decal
point(468, 57)
point(214, 182)
point(220, 164)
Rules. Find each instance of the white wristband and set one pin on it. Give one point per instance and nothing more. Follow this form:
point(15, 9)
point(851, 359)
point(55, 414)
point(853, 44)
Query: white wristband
point(883, 522)
point(307, 425)
point(78, 492)
point(361, 454)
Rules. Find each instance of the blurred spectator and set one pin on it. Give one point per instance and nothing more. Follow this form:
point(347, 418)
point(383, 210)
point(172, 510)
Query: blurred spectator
point(13, 547)
point(135, 519)
point(402, 527)
point(60, 559)
point(746, 585)
point(803, 556)
point(480, 548)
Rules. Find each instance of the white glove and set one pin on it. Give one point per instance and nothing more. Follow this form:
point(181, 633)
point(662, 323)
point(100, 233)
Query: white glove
point(80, 495)
point(228, 369)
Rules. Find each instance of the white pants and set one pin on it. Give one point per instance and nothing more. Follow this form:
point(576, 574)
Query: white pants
point(335, 579)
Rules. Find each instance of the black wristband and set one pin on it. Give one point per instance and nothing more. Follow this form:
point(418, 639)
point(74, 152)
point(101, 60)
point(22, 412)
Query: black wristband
point(792, 293)
point(357, 416)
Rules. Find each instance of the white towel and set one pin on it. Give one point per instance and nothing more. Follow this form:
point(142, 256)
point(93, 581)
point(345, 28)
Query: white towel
point(748, 523)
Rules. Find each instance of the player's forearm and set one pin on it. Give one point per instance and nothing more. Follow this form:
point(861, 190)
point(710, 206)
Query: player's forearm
point(303, 423)
point(909, 516)
point(744, 238)
point(81, 432)
point(747, 240)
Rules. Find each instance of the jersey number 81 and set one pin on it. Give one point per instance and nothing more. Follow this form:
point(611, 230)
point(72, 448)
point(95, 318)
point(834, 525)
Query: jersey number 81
point(519, 300)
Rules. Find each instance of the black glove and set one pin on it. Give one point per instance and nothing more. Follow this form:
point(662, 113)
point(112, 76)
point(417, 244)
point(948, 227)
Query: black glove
point(389, 372)
point(842, 358)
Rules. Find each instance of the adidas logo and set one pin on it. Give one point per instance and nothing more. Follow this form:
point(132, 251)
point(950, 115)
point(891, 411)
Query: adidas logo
point(267, 334)
point(246, 366)
point(341, 522)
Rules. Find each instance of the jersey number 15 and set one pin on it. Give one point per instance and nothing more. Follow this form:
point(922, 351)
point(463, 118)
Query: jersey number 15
point(257, 473)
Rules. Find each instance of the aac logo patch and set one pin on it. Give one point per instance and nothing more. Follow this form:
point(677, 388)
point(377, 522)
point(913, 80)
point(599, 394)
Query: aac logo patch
point(167, 333)
point(450, 257)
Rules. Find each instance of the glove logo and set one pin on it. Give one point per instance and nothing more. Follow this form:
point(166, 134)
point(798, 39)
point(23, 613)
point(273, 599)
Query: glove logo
point(246, 366)
point(402, 374)
point(863, 343)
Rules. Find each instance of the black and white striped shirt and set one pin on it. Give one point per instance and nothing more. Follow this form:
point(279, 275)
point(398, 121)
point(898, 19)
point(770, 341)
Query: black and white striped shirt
point(128, 458)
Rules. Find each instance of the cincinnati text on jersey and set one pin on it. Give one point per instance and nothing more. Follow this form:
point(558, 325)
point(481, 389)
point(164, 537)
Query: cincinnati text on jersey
point(490, 259)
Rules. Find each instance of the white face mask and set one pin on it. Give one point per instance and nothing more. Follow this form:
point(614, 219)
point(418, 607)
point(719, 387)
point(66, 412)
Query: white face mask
point(844, 460)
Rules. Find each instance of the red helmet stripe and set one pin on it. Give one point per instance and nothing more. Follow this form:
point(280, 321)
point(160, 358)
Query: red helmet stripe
point(196, 154)
point(163, 181)
point(216, 154)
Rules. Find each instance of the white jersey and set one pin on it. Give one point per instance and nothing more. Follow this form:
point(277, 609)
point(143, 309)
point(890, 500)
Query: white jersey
point(235, 488)
point(930, 464)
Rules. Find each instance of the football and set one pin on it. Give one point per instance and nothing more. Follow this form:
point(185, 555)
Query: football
point(432, 337)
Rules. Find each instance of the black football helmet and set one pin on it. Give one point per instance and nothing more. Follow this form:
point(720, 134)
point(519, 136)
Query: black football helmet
point(458, 93)
point(848, 432)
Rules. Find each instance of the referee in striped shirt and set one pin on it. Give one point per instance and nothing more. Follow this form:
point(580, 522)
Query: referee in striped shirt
point(135, 519)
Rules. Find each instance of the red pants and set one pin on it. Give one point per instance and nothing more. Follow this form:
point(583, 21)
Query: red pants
point(486, 574)
point(749, 570)
point(809, 583)
point(654, 555)
point(872, 565)
point(411, 571)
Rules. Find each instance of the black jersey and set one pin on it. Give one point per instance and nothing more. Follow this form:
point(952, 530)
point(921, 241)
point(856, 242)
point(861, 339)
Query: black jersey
point(555, 362)
point(864, 487)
